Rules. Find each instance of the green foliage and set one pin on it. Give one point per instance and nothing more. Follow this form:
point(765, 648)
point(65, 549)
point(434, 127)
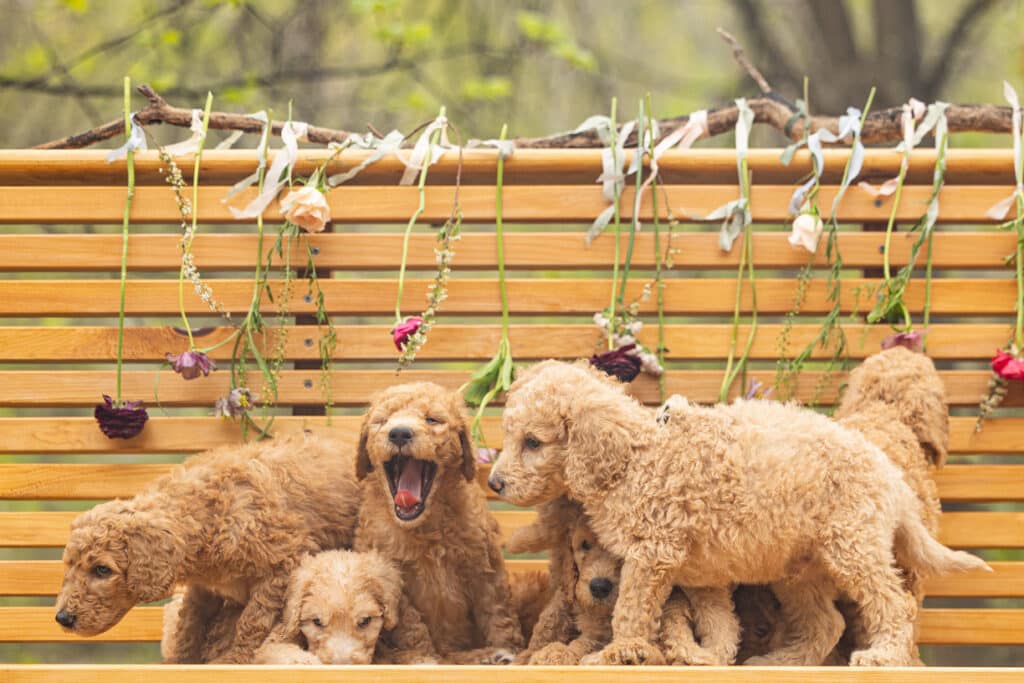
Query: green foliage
point(487, 89)
point(544, 30)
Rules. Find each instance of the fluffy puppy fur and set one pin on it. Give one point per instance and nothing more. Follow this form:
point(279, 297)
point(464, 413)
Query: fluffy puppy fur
point(589, 589)
point(220, 631)
point(230, 525)
point(424, 510)
point(345, 607)
point(754, 492)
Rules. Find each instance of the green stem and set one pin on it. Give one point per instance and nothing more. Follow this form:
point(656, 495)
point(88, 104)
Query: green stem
point(412, 220)
point(130, 164)
point(187, 247)
point(499, 230)
point(615, 202)
point(927, 313)
point(636, 206)
point(658, 266)
point(1018, 334)
point(747, 250)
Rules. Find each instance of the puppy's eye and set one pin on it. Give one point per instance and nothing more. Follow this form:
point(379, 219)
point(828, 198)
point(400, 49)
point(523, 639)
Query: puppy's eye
point(101, 570)
point(317, 622)
point(364, 622)
point(531, 443)
point(585, 545)
point(433, 420)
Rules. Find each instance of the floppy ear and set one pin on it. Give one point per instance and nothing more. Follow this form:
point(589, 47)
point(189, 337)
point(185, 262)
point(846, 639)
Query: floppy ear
point(931, 426)
point(287, 630)
point(465, 442)
point(363, 464)
point(600, 443)
point(154, 555)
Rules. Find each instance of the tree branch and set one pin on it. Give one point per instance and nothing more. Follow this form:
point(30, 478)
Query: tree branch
point(741, 59)
point(942, 65)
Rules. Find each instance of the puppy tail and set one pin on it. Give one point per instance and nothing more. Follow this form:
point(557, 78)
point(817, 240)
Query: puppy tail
point(918, 550)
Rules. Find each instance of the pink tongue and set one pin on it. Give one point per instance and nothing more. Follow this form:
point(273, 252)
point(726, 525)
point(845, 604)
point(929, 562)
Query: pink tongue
point(410, 479)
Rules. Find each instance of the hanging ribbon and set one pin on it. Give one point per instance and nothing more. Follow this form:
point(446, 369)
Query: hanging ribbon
point(280, 171)
point(848, 124)
point(191, 145)
point(612, 178)
point(136, 142)
point(939, 174)
point(261, 149)
point(381, 147)
point(736, 214)
point(414, 164)
point(1000, 209)
point(912, 111)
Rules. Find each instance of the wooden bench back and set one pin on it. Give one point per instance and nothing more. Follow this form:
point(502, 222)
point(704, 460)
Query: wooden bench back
point(59, 302)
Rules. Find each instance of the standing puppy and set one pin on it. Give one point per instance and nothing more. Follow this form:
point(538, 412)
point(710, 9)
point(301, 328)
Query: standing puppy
point(423, 510)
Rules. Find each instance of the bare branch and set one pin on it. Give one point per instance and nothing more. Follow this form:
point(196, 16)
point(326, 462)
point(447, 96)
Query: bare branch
point(741, 59)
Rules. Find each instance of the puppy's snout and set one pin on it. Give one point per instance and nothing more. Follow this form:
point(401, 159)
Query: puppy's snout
point(400, 435)
point(600, 588)
point(65, 619)
point(496, 484)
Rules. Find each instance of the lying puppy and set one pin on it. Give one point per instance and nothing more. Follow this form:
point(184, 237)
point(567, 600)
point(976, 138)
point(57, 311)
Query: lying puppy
point(591, 589)
point(424, 511)
point(229, 524)
point(345, 607)
point(754, 492)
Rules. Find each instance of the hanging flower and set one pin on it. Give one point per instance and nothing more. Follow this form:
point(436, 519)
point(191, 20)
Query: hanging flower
point(191, 364)
point(1008, 366)
point(120, 419)
point(236, 404)
point(307, 208)
point(485, 456)
point(911, 340)
point(405, 329)
point(806, 231)
point(757, 390)
point(619, 363)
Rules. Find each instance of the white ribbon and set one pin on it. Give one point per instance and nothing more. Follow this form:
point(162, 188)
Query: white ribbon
point(1001, 208)
point(229, 141)
point(136, 141)
point(261, 148)
point(191, 145)
point(380, 146)
point(848, 125)
point(736, 214)
point(280, 172)
point(938, 110)
point(506, 148)
point(425, 150)
point(912, 111)
point(612, 178)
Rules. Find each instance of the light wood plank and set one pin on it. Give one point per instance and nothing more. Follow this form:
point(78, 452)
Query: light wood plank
point(522, 203)
point(529, 250)
point(696, 341)
point(971, 627)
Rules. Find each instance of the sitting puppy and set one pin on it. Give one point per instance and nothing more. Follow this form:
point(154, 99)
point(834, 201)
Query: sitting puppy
point(345, 607)
point(229, 524)
point(424, 511)
point(591, 588)
point(753, 492)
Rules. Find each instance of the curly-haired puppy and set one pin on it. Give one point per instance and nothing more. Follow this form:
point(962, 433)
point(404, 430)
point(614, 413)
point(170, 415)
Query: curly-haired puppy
point(229, 524)
point(424, 510)
point(345, 607)
point(753, 492)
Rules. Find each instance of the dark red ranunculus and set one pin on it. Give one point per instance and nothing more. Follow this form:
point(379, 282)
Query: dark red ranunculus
point(191, 364)
point(619, 363)
point(911, 340)
point(1008, 366)
point(122, 420)
point(405, 329)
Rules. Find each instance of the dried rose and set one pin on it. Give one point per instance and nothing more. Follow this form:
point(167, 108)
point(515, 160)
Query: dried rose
point(307, 208)
point(405, 329)
point(120, 420)
point(1008, 366)
point(238, 402)
point(619, 363)
point(191, 364)
point(911, 340)
point(806, 232)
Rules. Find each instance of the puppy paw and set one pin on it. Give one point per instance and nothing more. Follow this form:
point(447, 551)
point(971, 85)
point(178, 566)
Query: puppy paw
point(593, 659)
point(631, 652)
point(554, 654)
point(692, 656)
point(760, 660)
point(501, 657)
point(878, 657)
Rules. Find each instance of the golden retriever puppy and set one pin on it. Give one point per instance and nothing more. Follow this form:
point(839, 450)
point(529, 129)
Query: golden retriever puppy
point(753, 492)
point(220, 631)
point(345, 607)
point(230, 525)
point(424, 511)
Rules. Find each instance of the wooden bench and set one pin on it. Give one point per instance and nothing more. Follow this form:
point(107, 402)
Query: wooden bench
point(58, 309)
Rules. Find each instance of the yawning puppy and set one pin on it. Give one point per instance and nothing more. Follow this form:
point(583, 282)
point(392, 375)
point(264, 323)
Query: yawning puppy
point(424, 511)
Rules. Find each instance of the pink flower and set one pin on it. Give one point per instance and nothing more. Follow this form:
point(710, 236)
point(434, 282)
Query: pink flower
point(405, 329)
point(121, 419)
point(307, 208)
point(912, 340)
point(1008, 366)
point(620, 363)
point(191, 364)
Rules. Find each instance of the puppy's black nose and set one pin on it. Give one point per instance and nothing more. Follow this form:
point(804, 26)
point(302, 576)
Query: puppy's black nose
point(65, 619)
point(400, 435)
point(496, 484)
point(600, 588)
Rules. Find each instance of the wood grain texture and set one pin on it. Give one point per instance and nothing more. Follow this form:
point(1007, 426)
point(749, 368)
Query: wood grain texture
point(522, 203)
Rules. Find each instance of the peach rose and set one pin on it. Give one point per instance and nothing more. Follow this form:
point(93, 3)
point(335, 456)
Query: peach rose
point(307, 208)
point(806, 232)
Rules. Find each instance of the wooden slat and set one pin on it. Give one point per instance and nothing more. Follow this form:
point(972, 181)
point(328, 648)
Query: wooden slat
point(959, 529)
point(45, 481)
point(522, 203)
point(90, 167)
point(938, 626)
point(188, 434)
point(23, 298)
point(696, 341)
point(529, 250)
point(43, 578)
point(27, 388)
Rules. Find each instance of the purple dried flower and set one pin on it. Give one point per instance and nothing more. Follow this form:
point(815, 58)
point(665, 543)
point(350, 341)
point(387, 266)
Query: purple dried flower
point(486, 456)
point(191, 364)
point(756, 390)
point(912, 340)
point(237, 403)
point(121, 420)
point(619, 363)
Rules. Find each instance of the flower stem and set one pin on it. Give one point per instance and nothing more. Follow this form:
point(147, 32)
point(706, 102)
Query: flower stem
point(746, 253)
point(658, 264)
point(412, 219)
point(615, 267)
point(257, 282)
point(499, 231)
point(636, 205)
point(1018, 335)
point(130, 164)
point(187, 247)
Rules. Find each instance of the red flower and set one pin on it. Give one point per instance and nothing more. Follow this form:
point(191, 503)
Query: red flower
point(1008, 366)
point(191, 364)
point(911, 340)
point(405, 329)
point(619, 363)
point(123, 420)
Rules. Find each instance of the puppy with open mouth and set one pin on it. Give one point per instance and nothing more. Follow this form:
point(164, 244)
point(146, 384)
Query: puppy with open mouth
point(424, 511)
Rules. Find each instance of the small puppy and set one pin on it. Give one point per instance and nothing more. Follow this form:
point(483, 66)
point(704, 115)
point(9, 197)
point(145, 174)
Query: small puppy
point(345, 607)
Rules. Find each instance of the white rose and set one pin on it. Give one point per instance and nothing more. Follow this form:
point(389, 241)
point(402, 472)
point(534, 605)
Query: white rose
point(307, 208)
point(806, 232)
